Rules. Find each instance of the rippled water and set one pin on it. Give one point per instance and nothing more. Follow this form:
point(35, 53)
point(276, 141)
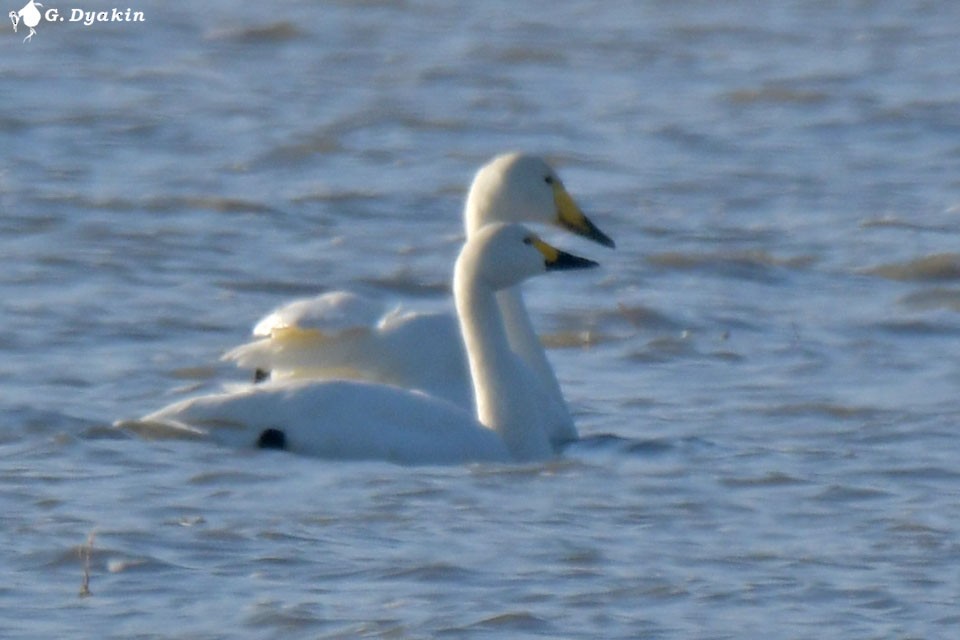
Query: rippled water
point(762, 371)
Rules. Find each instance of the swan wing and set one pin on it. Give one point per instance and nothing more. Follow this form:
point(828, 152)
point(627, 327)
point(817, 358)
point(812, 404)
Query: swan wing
point(329, 313)
point(415, 350)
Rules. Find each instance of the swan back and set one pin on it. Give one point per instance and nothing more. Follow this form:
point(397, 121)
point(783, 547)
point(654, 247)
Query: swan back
point(331, 313)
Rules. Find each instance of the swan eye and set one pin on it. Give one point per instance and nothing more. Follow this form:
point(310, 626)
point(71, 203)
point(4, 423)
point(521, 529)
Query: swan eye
point(528, 240)
point(548, 179)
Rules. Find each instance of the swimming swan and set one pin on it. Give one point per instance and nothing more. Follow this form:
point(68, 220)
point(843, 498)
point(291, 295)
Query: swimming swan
point(349, 419)
point(341, 334)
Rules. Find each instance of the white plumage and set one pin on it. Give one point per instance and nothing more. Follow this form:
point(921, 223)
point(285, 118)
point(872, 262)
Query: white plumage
point(349, 419)
point(344, 335)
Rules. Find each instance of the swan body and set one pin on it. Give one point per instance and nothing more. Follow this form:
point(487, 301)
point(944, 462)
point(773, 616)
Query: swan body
point(418, 350)
point(335, 419)
point(350, 419)
point(313, 338)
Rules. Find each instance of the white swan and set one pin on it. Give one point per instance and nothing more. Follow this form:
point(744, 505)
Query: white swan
point(340, 334)
point(347, 419)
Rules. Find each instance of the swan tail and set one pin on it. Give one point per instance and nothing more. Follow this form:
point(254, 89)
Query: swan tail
point(160, 429)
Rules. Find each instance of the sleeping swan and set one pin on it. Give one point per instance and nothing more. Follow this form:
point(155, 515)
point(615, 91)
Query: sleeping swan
point(341, 334)
point(357, 420)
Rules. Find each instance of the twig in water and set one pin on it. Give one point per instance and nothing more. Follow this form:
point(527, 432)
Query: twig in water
point(86, 551)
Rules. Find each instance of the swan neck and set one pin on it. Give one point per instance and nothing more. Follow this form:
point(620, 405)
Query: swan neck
point(487, 348)
point(523, 338)
point(503, 402)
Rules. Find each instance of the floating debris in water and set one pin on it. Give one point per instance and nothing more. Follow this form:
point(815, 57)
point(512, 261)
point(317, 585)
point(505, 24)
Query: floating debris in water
point(86, 552)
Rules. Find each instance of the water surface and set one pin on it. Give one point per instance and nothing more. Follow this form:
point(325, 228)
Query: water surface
point(761, 371)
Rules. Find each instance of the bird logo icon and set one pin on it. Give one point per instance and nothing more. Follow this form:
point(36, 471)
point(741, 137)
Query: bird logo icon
point(29, 15)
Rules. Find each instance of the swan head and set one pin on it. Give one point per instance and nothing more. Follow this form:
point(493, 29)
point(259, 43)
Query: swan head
point(519, 187)
point(503, 255)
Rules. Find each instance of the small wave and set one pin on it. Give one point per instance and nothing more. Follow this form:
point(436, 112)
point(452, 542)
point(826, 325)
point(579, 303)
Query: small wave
point(775, 94)
point(574, 339)
point(278, 288)
point(101, 559)
point(196, 373)
point(408, 284)
point(266, 33)
point(611, 443)
point(288, 617)
point(892, 222)
point(670, 348)
point(746, 265)
point(936, 267)
point(433, 572)
point(160, 203)
point(821, 409)
point(580, 329)
point(547, 56)
point(917, 327)
point(642, 317)
point(305, 147)
point(229, 477)
point(837, 493)
point(772, 479)
point(512, 621)
point(40, 421)
point(936, 298)
point(923, 473)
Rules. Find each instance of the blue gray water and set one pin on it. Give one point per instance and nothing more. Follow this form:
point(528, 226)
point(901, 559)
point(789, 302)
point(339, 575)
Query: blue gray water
point(764, 371)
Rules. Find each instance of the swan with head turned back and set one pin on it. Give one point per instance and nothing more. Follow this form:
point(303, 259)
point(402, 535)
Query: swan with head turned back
point(349, 419)
point(341, 334)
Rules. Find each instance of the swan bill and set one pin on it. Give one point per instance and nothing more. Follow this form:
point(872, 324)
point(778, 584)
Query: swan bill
point(556, 260)
point(571, 218)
